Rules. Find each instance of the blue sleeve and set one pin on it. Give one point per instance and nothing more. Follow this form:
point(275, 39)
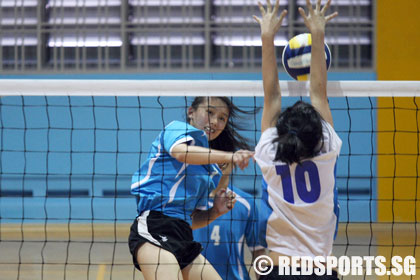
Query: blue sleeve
point(251, 230)
point(205, 202)
point(180, 132)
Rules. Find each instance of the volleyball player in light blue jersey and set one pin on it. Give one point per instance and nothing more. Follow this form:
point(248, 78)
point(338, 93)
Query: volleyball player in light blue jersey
point(182, 187)
point(224, 239)
point(173, 187)
point(297, 154)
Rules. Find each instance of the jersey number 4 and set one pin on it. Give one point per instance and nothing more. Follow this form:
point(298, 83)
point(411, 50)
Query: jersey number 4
point(215, 235)
point(308, 195)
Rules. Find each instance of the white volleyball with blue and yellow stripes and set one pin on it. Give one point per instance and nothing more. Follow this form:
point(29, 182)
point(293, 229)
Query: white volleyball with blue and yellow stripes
point(297, 57)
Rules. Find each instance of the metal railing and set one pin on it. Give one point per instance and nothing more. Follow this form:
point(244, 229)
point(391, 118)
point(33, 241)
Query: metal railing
point(165, 35)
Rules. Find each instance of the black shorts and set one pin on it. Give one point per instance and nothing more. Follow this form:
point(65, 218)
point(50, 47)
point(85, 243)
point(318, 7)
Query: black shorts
point(171, 234)
point(274, 275)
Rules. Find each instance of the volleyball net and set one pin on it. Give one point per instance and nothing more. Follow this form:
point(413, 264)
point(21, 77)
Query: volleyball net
point(70, 147)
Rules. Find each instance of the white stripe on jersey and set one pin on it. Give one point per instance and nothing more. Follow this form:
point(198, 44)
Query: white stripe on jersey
point(153, 160)
point(181, 141)
point(149, 170)
point(243, 201)
point(238, 260)
point(172, 192)
point(143, 230)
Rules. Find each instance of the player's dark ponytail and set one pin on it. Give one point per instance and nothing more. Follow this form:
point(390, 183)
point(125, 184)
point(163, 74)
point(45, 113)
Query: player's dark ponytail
point(299, 130)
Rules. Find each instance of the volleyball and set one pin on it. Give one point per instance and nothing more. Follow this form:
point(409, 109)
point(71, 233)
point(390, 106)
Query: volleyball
point(296, 57)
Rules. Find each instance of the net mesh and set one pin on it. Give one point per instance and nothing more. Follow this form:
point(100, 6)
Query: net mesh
point(67, 161)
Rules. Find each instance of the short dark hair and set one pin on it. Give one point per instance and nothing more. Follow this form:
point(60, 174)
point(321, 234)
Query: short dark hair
point(299, 130)
point(229, 140)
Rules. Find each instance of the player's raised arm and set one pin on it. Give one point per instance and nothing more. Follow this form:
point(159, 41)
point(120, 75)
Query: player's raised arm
point(199, 155)
point(316, 20)
point(270, 23)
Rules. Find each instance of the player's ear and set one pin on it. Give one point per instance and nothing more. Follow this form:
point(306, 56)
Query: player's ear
point(190, 112)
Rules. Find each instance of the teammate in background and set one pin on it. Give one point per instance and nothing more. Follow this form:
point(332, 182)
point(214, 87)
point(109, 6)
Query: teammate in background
point(173, 187)
point(297, 152)
point(224, 239)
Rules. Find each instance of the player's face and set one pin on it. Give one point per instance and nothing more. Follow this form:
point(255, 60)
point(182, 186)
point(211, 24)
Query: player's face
point(211, 116)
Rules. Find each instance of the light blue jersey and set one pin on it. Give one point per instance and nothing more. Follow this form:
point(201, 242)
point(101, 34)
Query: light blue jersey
point(223, 240)
point(174, 188)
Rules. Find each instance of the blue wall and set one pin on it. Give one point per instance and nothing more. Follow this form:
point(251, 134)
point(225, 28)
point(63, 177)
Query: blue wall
point(72, 157)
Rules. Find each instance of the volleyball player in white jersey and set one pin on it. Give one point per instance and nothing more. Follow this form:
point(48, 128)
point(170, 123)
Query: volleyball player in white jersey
point(173, 188)
point(297, 152)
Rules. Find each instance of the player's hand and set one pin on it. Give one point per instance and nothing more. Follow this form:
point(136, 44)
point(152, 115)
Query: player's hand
point(269, 22)
point(315, 20)
point(241, 158)
point(224, 201)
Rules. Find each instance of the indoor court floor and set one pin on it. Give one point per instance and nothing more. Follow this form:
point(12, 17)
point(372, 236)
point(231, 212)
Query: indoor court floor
point(100, 251)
